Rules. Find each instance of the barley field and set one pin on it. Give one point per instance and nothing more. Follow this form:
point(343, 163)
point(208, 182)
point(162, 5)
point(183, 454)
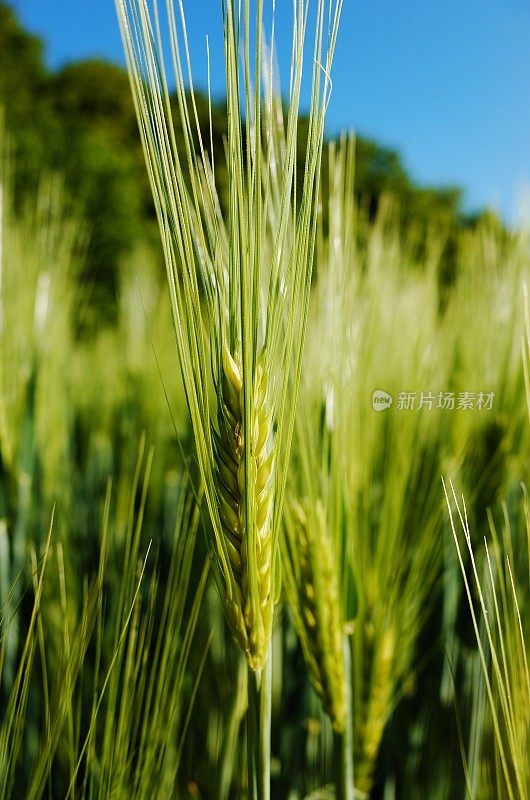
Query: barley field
point(264, 524)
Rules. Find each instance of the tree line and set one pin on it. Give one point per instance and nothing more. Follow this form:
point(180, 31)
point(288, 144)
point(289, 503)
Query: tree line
point(79, 121)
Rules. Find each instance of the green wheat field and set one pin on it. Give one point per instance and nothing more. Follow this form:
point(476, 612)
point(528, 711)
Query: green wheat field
point(264, 437)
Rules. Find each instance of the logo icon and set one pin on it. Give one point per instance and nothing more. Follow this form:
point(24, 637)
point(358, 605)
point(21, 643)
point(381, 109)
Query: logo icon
point(381, 400)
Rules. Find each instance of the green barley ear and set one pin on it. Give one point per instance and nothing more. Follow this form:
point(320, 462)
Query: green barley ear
point(312, 587)
point(239, 282)
point(376, 708)
point(250, 621)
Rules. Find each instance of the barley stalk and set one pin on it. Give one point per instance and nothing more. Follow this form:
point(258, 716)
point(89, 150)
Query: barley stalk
point(239, 281)
point(239, 287)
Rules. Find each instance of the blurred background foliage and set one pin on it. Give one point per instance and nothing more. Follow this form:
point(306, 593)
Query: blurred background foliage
point(432, 300)
point(80, 120)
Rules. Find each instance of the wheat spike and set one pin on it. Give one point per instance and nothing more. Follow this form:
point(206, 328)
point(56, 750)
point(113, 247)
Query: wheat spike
point(249, 612)
point(318, 616)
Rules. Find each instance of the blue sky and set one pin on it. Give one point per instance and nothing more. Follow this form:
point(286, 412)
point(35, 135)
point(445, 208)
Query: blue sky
point(446, 82)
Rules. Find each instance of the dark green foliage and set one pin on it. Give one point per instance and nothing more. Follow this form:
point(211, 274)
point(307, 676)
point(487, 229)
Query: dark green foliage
point(80, 121)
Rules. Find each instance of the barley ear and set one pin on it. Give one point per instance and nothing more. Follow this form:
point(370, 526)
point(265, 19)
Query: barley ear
point(312, 586)
point(378, 707)
point(249, 608)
